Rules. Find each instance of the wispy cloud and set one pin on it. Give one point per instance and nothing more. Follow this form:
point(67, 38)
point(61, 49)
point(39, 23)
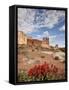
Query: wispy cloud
point(53, 18)
point(62, 28)
point(46, 34)
point(34, 18)
point(25, 19)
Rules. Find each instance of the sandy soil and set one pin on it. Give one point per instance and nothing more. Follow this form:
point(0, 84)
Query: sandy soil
point(29, 59)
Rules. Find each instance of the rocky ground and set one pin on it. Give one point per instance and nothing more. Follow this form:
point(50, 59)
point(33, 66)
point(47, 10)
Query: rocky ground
point(28, 57)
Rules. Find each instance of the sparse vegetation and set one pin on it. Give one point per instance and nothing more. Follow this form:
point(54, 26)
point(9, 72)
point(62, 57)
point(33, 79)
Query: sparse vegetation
point(34, 57)
point(56, 58)
point(42, 56)
point(40, 72)
point(62, 49)
point(33, 50)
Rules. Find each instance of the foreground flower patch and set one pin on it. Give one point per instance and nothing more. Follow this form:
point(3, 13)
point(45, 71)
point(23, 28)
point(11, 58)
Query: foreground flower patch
point(40, 72)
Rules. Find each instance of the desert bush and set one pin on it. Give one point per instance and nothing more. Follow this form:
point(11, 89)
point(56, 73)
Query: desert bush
point(56, 58)
point(33, 50)
point(22, 76)
point(62, 49)
point(42, 56)
point(36, 48)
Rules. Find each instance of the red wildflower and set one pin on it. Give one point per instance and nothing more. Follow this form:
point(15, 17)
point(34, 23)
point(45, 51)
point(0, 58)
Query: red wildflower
point(42, 70)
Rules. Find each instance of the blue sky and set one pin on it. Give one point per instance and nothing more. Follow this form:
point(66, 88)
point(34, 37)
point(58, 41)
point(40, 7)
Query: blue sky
point(40, 23)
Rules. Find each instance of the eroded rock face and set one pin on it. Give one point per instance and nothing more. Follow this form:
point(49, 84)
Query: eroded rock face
point(22, 38)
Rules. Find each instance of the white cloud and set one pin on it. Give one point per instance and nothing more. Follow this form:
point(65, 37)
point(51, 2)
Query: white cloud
point(53, 17)
point(53, 36)
point(46, 34)
point(48, 18)
point(62, 28)
point(26, 30)
point(39, 37)
point(25, 19)
point(52, 39)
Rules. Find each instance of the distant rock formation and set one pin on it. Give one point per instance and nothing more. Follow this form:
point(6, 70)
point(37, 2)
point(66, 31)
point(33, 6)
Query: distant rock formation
point(24, 40)
point(45, 42)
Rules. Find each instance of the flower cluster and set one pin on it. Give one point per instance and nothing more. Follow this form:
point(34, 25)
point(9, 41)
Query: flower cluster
point(42, 70)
